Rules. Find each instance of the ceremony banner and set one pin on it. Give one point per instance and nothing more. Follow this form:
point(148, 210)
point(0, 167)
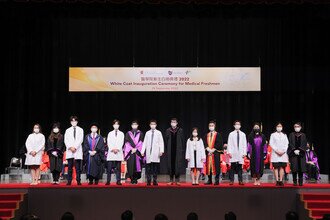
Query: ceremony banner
point(122, 79)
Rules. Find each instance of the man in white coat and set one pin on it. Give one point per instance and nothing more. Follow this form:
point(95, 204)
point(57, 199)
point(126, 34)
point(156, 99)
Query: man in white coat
point(237, 146)
point(115, 152)
point(73, 139)
point(153, 148)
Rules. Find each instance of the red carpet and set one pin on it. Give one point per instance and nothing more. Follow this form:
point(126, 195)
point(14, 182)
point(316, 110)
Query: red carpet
point(161, 185)
point(317, 204)
point(9, 203)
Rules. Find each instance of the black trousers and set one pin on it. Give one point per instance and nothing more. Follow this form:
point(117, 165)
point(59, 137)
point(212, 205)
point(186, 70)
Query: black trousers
point(235, 168)
point(312, 171)
point(56, 175)
point(116, 167)
point(77, 164)
point(152, 169)
point(300, 176)
point(174, 174)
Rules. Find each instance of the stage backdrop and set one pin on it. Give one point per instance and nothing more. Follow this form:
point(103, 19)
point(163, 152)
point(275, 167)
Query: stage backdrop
point(39, 42)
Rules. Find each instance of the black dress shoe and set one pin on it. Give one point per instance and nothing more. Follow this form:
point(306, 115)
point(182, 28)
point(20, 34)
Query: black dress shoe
point(208, 183)
point(107, 183)
point(118, 183)
point(295, 183)
point(79, 183)
point(216, 183)
point(281, 183)
point(241, 183)
point(155, 183)
point(148, 184)
point(90, 183)
point(231, 183)
point(96, 182)
point(277, 183)
point(68, 183)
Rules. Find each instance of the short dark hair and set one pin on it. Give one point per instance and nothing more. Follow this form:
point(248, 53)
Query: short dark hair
point(213, 122)
point(161, 217)
point(192, 216)
point(67, 216)
point(116, 121)
point(127, 215)
point(73, 117)
point(230, 216)
point(298, 123)
point(236, 122)
point(135, 122)
point(152, 120)
point(291, 216)
point(174, 119)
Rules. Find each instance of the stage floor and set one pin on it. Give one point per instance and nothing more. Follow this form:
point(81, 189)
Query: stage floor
point(210, 202)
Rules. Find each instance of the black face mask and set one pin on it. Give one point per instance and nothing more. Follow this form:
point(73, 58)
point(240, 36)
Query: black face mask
point(256, 131)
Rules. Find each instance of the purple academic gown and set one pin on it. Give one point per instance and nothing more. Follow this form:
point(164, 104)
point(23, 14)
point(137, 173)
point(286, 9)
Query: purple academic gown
point(311, 156)
point(131, 142)
point(257, 150)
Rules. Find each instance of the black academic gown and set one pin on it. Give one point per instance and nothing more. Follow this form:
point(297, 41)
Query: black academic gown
point(94, 163)
point(297, 162)
point(56, 144)
point(175, 151)
point(218, 145)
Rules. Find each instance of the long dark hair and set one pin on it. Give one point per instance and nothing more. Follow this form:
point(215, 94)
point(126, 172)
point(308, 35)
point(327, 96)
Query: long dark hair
point(191, 136)
point(55, 135)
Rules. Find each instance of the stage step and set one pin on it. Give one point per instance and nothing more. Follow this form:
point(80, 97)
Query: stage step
point(9, 203)
point(317, 204)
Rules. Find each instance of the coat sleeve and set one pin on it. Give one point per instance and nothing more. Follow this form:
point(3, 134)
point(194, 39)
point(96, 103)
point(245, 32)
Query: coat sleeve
point(144, 144)
point(272, 142)
point(161, 143)
point(41, 146)
point(79, 139)
point(203, 152)
point(28, 144)
point(188, 150)
point(230, 144)
point(244, 145)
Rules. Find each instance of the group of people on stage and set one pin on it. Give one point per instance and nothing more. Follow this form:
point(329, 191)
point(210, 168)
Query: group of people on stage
point(201, 154)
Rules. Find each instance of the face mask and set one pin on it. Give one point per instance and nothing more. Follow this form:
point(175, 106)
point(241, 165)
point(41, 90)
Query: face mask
point(256, 130)
point(94, 130)
point(153, 127)
point(195, 134)
point(237, 127)
point(134, 127)
point(36, 130)
point(211, 128)
point(173, 124)
point(56, 130)
point(74, 123)
point(297, 129)
point(279, 129)
point(116, 127)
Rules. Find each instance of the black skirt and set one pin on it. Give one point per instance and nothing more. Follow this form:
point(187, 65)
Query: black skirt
point(279, 165)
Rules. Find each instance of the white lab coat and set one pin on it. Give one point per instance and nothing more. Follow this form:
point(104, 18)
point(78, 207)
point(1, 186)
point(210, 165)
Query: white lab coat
point(70, 141)
point(200, 153)
point(115, 142)
point(34, 142)
point(237, 153)
point(157, 146)
point(279, 142)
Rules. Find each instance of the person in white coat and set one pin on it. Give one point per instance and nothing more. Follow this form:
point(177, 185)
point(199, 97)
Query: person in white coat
point(35, 144)
point(73, 139)
point(115, 152)
point(195, 155)
point(236, 149)
point(153, 149)
point(279, 143)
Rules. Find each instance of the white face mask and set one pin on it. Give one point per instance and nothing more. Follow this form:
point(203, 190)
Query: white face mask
point(195, 134)
point(174, 124)
point(211, 128)
point(36, 130)
point(56, 130)
point(115, 127)
point(237, 127)
point(279, 129)
point(153, 127)
point(297, 129)
point(134, 127)
point(74, 123)
point(94, 130)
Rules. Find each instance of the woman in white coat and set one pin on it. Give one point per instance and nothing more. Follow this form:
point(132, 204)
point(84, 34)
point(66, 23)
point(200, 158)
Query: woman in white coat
point(279, 143)
point(35, 144)
point(195, 155)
